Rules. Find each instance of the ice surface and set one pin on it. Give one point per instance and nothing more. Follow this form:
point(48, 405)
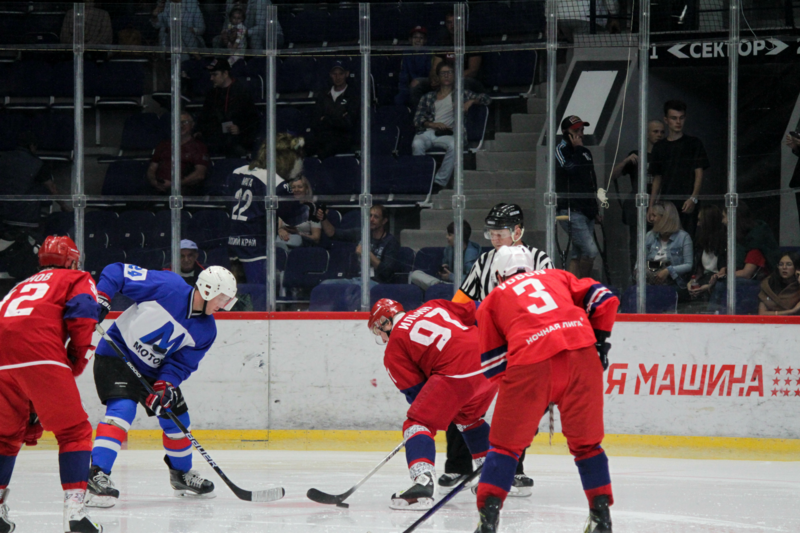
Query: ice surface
point(664, 495)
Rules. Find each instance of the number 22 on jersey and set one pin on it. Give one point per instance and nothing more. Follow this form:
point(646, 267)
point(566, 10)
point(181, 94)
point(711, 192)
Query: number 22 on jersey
point(426, 332)
point(242, 195)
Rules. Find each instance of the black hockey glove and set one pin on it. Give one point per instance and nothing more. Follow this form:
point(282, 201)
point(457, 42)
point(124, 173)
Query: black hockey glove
point(602, 346)
point(105, 305)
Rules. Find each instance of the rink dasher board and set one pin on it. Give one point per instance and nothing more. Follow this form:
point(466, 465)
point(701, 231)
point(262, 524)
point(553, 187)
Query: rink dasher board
point(670, 375)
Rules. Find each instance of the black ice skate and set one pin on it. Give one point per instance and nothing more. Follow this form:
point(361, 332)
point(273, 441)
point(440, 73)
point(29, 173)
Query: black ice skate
point(75, 518)
point(189, 483)
point(490, 515)
point(100, 491)
point(6, 525)
point(599, 516)
point(447, 482)
point(417, 498)
point(521, 487)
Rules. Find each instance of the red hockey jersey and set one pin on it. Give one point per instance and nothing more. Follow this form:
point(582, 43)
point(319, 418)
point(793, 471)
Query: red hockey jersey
point(438, 338)
point(39, 314)
point(533, 316)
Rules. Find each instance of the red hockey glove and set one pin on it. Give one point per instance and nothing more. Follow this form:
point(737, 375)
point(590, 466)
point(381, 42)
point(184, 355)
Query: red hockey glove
point(79, 357)
point(34, 430)
point(165, 396)
point(105, 305)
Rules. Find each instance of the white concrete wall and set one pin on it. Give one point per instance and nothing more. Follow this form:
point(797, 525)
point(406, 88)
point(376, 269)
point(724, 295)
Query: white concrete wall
point(328, 374)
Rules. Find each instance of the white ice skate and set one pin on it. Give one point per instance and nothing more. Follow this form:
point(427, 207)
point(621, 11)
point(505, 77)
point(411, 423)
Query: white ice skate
point(417, 498)
point(6, 525)
point(76, 520)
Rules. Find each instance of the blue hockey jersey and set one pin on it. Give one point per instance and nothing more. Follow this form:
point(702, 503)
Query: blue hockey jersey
point(161, 334)
point(247, 240)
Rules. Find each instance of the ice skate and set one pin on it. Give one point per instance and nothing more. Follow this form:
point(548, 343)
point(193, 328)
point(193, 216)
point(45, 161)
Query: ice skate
point(100, 491)
point(521, 487)
point(75, 518)
point(490, 515)
point(417, 498)
point(6, 525)
point(447, 482)
point(189, 483)
point(599, 516)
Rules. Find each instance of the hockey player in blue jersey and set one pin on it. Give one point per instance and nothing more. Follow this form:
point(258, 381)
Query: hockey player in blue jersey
point(165, 334)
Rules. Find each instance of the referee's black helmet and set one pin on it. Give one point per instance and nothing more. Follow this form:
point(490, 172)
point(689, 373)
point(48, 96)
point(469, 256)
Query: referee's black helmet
point(504, 216)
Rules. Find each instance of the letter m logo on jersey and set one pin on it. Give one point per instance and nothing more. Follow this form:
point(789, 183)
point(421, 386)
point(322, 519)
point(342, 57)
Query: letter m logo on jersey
point(162, 341)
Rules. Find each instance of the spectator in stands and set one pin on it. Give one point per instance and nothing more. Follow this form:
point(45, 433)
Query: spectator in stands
point(414, 71)
point(574, 17)
point(757, 251)
point(710, 251)
point(780, 292)
point(472, 62)
point(384, 249)
point(335, 118)
point(677, 164)
point(630, 167)
point(190, 267)
point(435, 120)
point(256, 16)
point(575, 175)
point(193, 25)
point(234, 35)
point(96, 25)
point(229, 119)
point(194, 162)
point(471, 252)
point(297, 221)
point(669, 250)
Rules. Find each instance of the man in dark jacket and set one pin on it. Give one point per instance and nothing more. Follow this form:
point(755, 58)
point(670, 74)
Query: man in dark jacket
point(228, 122)
point(335, 119)
point(575, 175)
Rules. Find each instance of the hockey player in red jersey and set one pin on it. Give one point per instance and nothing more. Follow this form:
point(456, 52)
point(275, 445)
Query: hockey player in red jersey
point(548, 328)
point(37, 373)
point(432, 357)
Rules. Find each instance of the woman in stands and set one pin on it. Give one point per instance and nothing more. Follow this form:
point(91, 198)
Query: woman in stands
point(780, 292)
point(757, 251)
point(711, 251)
point(669, 250)
point(297, 222)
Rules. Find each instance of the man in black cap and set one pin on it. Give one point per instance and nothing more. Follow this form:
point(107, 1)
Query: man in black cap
point(335, 119)
point(229, 121)
point(575, 175)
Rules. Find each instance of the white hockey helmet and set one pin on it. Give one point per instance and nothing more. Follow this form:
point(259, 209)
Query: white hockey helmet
point(216, 280)
point(511, 260)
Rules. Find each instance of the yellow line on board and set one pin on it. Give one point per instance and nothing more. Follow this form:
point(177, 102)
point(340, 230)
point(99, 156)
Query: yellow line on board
point(756, 449)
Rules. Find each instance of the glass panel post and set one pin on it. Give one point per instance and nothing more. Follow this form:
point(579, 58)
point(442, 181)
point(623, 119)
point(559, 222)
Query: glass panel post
point(458, 174)
point(731, 199)
point(550, 195)
point(272, 199)
point(642, 198)
point(78, 197)
point(175, 199)
point(365, 200)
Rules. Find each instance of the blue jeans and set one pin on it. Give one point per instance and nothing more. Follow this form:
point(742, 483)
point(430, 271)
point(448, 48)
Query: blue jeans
point(425, 141)
point(581, 229)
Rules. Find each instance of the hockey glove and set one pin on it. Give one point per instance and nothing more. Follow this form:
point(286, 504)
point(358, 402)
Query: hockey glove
point(33, 432)
point(165, 396)
point(79, 357)
point(105, 305)
point(602, 347)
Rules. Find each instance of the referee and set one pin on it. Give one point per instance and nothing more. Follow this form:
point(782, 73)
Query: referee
point(504, 226)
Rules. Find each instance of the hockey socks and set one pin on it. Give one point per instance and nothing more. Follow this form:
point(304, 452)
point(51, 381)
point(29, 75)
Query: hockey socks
point(420, 448)
point(111, 432)
point(476, 437)
point(6, 469)
point(497, 475)
point(595, 478)
point(177, 447)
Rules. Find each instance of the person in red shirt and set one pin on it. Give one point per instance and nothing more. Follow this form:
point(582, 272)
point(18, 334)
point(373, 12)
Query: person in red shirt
point(194, 162)
point(432, 357)
point(37, 373)
point(547, 327)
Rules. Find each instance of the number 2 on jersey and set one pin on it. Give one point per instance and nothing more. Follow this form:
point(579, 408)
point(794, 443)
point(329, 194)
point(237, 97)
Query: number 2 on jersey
point(245, 195)
point(39, 290)
point(436, 332)
point(539, 292)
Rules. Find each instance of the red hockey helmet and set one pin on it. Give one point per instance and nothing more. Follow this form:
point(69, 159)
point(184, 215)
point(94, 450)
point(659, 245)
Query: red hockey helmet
point(58, 251)
point(383, 310)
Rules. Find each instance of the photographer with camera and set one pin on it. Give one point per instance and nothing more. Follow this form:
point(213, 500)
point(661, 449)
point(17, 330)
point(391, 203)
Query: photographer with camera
point(444, 274)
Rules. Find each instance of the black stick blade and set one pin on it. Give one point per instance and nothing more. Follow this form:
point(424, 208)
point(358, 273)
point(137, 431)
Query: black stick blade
point(328, 499)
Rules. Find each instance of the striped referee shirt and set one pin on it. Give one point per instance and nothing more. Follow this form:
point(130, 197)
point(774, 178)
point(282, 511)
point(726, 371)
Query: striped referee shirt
point(479, 282)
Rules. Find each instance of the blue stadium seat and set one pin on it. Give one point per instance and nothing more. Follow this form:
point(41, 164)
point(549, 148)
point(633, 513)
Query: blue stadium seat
point(295, 76)
point(141, 131)
point(59, 223)
point(27, 80)
point(217, 176)
point(318, 176)
point(342, 24)
point(384, 139)
point(136, 228)
point(410, 296)
point(383, 173)
point(417, 175)
point(345, 174)
point(440, 291)
point(308, 24)
point(101, 258)
point(11, 125)
point(289, 119)
point(209, 228)
point(385, 72)
point(477, 117)
point(217, 257)
point(149, 259)
point(429, 260)
point(126, 178)
point(343, 263)
point(351, 219)
point(305, 268)
point(257, 292)
point(56, 134)
point(400, 116)
point(405, 260)
point(161, 236)
point(746, 297)
point(116, 84)
point(509, 72)
point(280, 259)
point(661, 299)
point(335, 298)
point(101, 226)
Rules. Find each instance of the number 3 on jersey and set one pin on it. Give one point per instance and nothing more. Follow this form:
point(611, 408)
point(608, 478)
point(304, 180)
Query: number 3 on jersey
point(539, 293)
point(245, 196)
point(426, 332)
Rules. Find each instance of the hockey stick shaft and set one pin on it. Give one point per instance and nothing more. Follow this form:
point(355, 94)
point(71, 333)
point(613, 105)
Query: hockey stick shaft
point(321, 497)
point(441, 503)
point(263, 495)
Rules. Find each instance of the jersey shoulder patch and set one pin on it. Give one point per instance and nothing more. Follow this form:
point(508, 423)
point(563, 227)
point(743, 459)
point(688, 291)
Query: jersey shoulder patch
point(135, 273)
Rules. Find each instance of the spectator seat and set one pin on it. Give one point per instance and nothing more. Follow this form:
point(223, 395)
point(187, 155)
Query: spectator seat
point(136, 228)
point(305, 268)
point(209, 228)
point(440, 291)
point(410, 296)
point(125, 178)
point(335, 298)
point(661, 299)
point(343, 263)
point(405, 260)
point(148, 259)
point(429, 260)
point(345, 174)
point(257, 292)
point(217, 257)
point(101, 258)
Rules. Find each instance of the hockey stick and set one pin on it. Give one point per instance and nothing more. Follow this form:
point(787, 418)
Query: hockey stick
point(267, 495)
point(444, 500)
point(338, 500)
